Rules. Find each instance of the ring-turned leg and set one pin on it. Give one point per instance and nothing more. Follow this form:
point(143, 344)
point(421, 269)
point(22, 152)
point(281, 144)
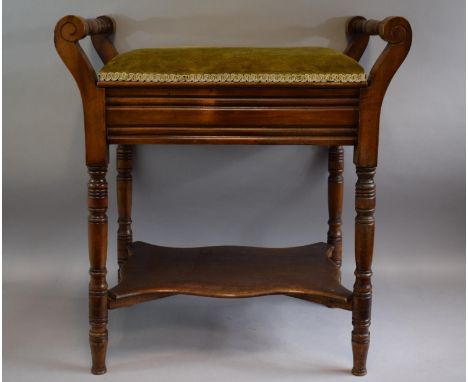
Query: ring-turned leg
point(335, 200)
point(364, 244)
point(124, 202)
point(97, 241)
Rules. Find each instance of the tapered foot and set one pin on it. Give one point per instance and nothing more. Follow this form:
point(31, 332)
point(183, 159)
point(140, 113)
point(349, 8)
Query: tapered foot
point(359, 359)
point(98, 371)
point(98, 354)
point(359, 372)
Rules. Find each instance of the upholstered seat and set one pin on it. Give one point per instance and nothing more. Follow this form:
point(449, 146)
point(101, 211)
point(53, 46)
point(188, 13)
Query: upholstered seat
point(255, 65)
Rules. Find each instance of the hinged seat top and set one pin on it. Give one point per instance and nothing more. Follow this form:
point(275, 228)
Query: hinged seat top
point(230, 65)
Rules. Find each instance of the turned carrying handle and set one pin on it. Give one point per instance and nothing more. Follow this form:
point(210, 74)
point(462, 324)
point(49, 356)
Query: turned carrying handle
point(100, 25)
point(392, 29)
point(361, 25)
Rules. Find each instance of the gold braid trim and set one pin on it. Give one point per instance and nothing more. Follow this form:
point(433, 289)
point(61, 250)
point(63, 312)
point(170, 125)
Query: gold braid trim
point(233, 77)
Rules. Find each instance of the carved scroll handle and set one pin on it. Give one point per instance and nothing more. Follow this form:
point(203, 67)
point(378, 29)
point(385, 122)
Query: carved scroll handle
point(75, 28)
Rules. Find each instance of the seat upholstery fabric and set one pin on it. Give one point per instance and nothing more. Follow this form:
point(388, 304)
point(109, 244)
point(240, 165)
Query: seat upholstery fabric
point(255, 65)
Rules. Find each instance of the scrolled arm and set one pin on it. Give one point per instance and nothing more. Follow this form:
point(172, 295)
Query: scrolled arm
point(74, 28)
point(396, 31)
point(69, 31)
point(67, 35)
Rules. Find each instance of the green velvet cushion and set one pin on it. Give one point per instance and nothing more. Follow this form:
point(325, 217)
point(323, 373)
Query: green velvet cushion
point(313, 64)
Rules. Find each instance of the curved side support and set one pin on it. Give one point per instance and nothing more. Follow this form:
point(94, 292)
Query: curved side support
point(397, 32)
point(68, 32)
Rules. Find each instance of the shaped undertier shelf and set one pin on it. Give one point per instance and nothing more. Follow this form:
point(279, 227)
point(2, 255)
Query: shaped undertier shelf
point(305, 272)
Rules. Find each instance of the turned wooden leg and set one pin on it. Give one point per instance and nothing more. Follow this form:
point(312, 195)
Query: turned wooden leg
point(335, 200)
point(97, 241)
point(364, 243)
point(124, 202)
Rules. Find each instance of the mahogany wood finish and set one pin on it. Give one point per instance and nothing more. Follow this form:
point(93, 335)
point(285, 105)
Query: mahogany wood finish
point(124, 202)
point(335, 200)
point(68, 31)
point(333, 115)
point(192, 114)
point(364, 243)
point(397, 32)
point(97, 233)
point(230, 271)
point(357, 40)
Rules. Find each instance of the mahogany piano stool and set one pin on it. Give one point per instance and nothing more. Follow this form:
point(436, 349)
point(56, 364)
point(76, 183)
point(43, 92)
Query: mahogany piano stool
point(267, 96)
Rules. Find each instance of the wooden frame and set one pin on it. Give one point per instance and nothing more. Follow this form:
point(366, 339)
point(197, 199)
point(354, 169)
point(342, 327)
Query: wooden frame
point(332, 115)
